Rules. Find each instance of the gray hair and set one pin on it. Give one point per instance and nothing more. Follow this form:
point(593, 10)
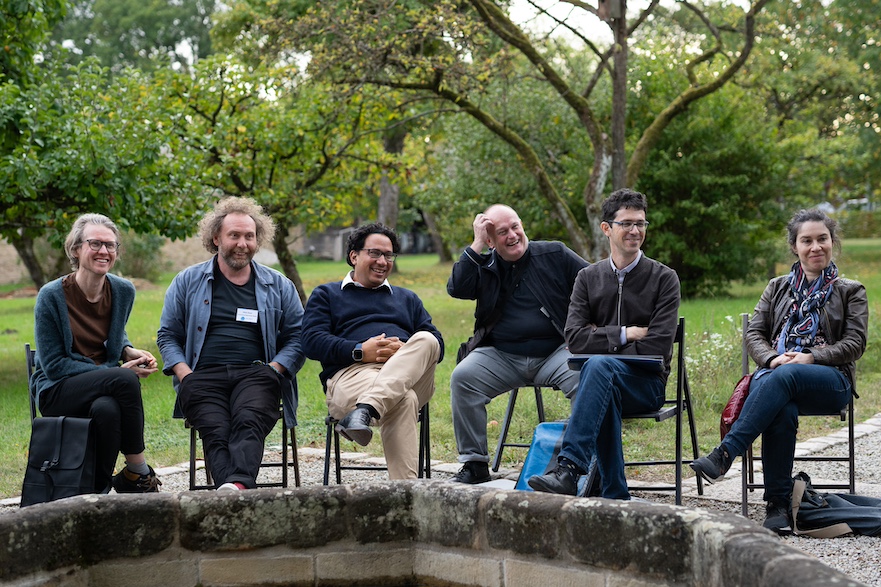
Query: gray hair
point(74, 238)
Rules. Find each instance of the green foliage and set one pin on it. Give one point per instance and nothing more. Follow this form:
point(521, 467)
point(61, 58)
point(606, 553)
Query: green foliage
point(140, 33)
point(139, 257)
point(713, 195)
point(859, 223)
point(86, 143)
point(23, 28)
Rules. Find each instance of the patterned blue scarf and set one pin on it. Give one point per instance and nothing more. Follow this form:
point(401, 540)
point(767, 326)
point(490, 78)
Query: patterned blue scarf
point(800, 329)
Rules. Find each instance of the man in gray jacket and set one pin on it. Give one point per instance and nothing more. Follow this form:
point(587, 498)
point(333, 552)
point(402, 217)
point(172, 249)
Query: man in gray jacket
point(625, 305)
point(522, 290)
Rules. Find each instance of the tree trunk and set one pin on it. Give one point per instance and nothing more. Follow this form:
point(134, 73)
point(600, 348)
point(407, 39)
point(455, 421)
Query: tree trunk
point(619, 103)
point(286, 259)
point(24, 246)
point(443, 253)
point(389, 193)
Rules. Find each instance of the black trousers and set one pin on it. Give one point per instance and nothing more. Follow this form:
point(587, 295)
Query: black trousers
point(112, 399)
point(234, 408)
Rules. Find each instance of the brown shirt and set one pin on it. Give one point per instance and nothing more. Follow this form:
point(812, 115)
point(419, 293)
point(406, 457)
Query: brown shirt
point(89, 322)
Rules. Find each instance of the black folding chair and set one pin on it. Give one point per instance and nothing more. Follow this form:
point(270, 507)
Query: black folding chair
point(673, 408)
point(333, 440)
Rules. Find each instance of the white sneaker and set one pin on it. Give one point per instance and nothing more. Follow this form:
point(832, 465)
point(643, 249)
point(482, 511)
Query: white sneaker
point(228, 487)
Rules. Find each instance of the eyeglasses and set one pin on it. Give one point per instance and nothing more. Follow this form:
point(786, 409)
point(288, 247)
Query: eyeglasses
point(96, 245)
point(376, 254)
point(627, 225)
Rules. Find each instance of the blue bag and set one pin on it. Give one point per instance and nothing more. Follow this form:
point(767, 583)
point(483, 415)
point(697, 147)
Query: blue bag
point(542, 456)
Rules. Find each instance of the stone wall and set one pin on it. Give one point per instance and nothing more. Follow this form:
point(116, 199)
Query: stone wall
point(392, 533)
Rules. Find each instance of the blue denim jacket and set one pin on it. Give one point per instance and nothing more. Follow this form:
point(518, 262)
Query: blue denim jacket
point(187, 309)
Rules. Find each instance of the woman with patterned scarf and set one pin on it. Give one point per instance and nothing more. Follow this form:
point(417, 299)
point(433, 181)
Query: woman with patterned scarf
point(806, 333)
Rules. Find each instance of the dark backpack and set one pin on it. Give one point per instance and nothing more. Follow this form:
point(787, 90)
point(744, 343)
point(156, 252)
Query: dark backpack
point(828, 515)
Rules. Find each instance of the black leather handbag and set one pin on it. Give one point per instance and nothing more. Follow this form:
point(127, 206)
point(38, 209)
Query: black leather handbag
point(61, 460)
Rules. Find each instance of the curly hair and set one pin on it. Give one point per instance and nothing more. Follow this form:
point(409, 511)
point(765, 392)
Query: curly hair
point(209, 226)
point(359, 237)
point(74, 238)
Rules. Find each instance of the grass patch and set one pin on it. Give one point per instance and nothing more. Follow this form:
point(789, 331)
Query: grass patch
point(712, 352)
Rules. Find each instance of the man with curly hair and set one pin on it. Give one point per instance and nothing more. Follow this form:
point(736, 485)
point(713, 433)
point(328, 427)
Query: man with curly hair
point(378, 349)
point(230, 336)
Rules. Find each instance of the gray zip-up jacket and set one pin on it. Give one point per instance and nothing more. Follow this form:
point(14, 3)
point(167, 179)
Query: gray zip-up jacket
point(600, 306)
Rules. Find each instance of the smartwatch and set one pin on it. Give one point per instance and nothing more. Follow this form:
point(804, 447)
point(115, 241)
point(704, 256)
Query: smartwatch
point(357, 353)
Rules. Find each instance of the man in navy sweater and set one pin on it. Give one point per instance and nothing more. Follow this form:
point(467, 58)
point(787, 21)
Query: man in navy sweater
point(377, 347)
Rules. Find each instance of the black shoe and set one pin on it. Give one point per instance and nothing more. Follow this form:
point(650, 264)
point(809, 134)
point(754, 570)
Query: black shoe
point(472, 473)
point(713, 466)
point(777, 518)
point(562, 480)
point(356, 426)
point(123, 482)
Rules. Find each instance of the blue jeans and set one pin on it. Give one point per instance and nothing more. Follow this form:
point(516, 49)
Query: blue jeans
point(775, 400)
point(608, 390)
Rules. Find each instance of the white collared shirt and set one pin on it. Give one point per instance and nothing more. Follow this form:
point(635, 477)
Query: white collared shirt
point(349, 280)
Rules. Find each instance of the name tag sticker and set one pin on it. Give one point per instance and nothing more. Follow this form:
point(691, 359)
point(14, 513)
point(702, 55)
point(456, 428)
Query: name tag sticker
point(246, 315)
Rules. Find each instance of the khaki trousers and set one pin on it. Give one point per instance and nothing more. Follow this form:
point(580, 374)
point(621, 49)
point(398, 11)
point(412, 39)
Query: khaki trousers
point(396, 389)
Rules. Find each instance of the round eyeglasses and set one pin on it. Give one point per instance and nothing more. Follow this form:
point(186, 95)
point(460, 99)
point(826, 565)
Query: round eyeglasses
point(96, 245)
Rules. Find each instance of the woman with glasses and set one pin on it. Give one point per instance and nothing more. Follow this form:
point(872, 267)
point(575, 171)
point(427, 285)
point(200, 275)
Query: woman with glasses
point(85, 365)
point(806, 333)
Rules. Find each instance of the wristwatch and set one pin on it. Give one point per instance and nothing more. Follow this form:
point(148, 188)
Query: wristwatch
point(357, 353)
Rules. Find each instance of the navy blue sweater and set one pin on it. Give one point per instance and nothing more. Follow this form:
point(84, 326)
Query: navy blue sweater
point(336, 320)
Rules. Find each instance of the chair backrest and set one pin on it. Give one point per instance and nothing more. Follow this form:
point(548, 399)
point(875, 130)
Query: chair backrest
point(29, 357)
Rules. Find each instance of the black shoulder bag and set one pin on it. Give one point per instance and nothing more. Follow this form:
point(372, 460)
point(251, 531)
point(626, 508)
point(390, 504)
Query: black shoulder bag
point(61, 460)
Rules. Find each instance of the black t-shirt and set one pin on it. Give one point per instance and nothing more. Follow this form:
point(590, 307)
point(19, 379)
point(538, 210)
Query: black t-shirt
point(234, 336)
point(523, 329)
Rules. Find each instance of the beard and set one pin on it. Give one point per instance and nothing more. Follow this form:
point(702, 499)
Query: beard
point(235, 261)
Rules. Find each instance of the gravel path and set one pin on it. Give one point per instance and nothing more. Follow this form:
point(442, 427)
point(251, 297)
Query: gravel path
point(857, 556)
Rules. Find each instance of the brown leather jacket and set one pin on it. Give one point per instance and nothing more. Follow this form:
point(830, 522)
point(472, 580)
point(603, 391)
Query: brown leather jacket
point(844, 316)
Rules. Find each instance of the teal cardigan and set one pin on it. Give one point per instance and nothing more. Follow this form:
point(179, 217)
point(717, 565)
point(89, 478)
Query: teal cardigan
point(55, 359)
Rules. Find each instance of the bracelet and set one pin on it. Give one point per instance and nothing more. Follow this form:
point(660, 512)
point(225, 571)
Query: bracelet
point(270, 365)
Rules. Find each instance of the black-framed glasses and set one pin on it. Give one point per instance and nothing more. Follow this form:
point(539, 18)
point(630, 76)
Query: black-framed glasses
point(376, 254)
point(96, 245)
point(628, 224)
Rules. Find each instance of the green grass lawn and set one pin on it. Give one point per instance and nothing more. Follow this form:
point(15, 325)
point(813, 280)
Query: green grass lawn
point(712, 352)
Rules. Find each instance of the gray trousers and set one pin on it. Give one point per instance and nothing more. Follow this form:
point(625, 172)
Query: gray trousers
point(487, 373)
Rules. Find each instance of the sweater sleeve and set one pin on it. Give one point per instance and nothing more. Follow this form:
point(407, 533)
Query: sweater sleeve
point(319, 341)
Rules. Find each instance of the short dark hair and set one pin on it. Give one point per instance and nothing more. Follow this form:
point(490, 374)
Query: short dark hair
point(813, 215)
point(359, 237)
point(623, 198)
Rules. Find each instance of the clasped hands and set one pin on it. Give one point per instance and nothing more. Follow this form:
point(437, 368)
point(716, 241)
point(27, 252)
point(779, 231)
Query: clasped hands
point(143, 363)
point(379, 349)
point(792, 357)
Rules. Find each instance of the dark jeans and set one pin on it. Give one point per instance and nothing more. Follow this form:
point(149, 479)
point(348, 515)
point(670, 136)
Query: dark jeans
point(234, 408)
point(112, 399)
point(608, 390)
point(775, 400)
